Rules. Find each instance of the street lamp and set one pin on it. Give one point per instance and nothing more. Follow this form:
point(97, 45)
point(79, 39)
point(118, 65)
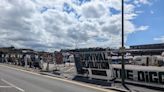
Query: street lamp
point(123, 48)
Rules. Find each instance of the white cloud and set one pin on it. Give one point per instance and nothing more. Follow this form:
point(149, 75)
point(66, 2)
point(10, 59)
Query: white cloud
point(161, 39)
point(93, 10)
point(139, 2)
point(129, 8)
point(43, 25)
point(116, 4)
point(144, 1)
point(142, 28)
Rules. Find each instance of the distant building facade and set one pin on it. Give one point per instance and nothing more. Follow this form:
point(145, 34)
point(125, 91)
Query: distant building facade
point(147, 49)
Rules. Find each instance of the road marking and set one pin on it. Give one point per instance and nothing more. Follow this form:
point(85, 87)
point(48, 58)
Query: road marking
point(5, 86)
point(12, 85)
point(65, 80)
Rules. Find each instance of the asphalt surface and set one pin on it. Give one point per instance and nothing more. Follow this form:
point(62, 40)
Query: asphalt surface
point(12, 80)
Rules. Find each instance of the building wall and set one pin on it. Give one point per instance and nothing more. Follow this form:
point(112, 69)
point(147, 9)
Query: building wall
point(148, 46)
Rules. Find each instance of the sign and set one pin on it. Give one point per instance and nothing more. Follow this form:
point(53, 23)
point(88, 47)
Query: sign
point(94, 56)
point(96, 60)
point(141, 76)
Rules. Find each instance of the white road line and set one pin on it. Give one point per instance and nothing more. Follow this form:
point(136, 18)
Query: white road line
point(12, 85)
point(5, 86)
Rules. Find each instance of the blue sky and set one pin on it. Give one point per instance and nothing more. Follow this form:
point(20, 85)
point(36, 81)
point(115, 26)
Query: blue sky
point(153, 16)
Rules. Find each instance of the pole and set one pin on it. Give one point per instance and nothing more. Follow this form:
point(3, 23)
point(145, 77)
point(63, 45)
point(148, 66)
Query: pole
point(122, 52)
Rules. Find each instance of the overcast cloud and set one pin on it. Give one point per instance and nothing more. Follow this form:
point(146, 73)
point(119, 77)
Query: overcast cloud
point(58, 24)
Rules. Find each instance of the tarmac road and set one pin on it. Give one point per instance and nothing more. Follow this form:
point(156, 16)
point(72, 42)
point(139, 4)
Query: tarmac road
point(14, 80)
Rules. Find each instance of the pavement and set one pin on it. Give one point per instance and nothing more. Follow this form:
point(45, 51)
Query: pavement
point(67, 70)
point(135, 88)
point(18, 80)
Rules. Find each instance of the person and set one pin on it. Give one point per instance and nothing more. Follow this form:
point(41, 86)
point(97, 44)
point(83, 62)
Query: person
point(6, 58)
point(36, 62)
point(25, 60)
point(41, 63)
point(30, 62)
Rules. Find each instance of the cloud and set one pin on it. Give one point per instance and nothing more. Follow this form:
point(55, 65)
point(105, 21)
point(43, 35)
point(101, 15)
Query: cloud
point(161, 39)
point(58, 24)
point(93, 10)
point(138, 2)
point(143, 28)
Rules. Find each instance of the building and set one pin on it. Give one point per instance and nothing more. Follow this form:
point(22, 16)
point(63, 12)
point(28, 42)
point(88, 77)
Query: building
point(17, 56)
point(10, 54)
point(148, 46)
point(147, 49)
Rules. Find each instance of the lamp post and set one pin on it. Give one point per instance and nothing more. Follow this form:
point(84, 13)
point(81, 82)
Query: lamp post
point(123, 48)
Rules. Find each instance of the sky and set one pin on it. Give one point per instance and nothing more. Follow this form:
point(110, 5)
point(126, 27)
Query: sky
point(153, 17)
point(49, 25)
